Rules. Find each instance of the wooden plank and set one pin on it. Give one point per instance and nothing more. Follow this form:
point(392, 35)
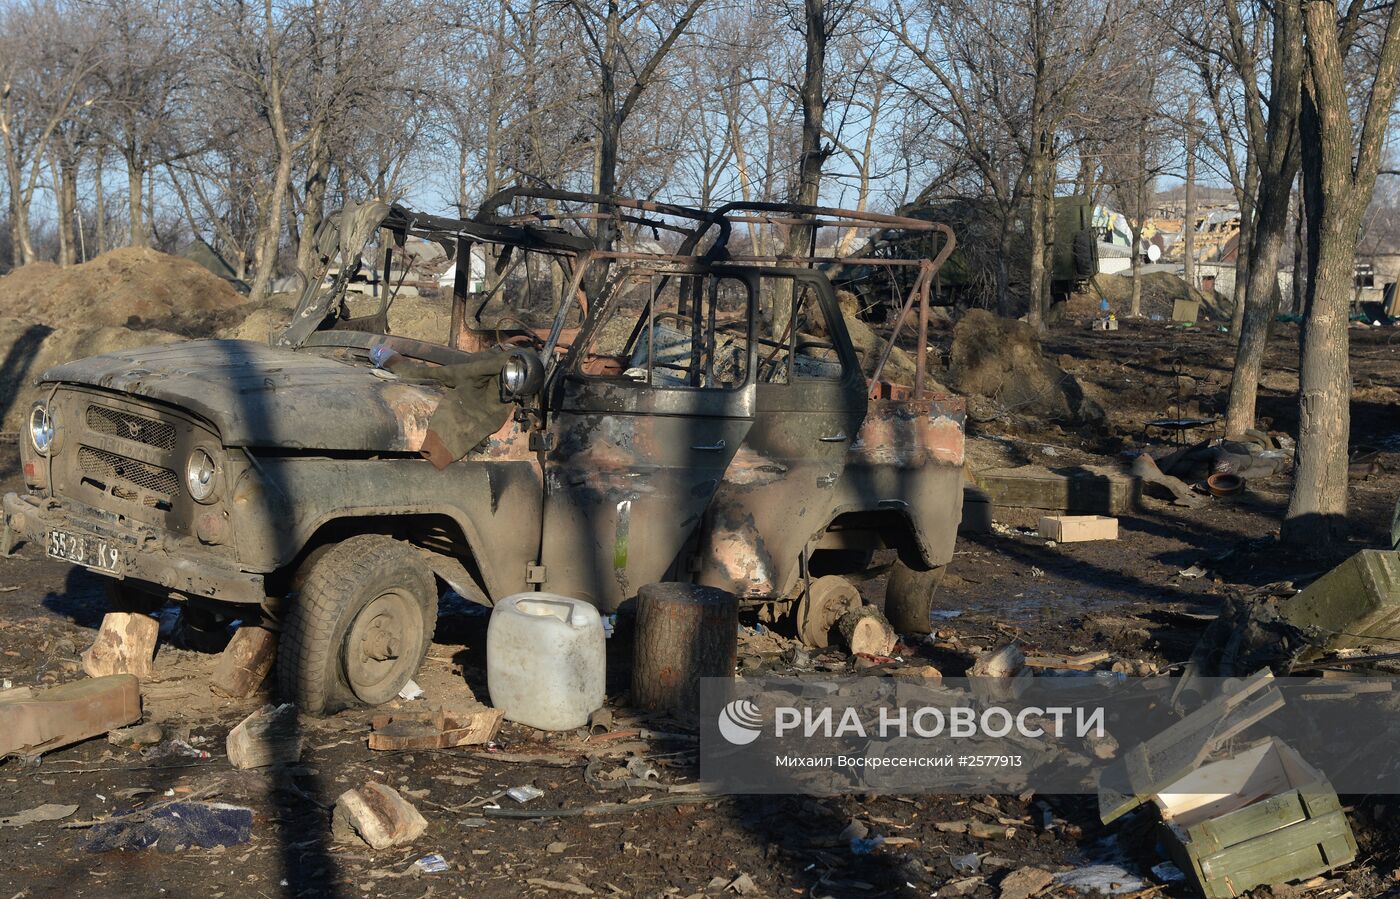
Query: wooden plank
point(1089, 490)
point(48, 719)
point(1083, 662)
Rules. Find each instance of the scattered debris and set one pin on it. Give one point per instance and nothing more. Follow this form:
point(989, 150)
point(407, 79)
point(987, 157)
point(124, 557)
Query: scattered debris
point(434, 729)
point(172, 827)
point(523, 794)
point(33, 722)
point(1023, 883)
point(411, 691)
point(559, 886)
point(966, 864)
point(38, 815)
point(137, 737)
point(430, 864)
point(1105, 880)
point(1004, 662)
point(1146, 469)
point(125, 644)
point(1082, 662)
point(1194, 571)
point(269, 736)
point(376, 815)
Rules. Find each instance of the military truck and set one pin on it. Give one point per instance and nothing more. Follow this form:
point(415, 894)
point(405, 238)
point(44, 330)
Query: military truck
point(595, 420)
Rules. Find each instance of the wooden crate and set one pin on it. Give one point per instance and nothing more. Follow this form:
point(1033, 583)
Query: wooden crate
point(1081, 489)
point(1078, 528)
point(1260, 816)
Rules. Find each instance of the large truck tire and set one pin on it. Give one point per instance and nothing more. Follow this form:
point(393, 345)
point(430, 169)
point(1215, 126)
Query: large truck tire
point(360, 627)
point(909, 598)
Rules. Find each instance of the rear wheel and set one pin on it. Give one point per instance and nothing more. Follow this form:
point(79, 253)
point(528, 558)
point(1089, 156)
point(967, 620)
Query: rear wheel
point(360, 627)
point(822, 606)
point(909, 598)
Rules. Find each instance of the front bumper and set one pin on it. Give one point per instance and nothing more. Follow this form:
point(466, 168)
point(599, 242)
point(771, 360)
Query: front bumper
point(147, 554)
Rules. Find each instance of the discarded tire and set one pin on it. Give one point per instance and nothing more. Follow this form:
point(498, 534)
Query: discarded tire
point(360, 628)
point(909, 598)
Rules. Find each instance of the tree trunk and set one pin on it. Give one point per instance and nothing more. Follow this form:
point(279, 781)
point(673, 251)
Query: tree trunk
point(1188, 218)
point(1244, 244)
point(1339, 179)
point(66, 203)
point(269, 235)
point(1035, 310)
point(135, 189)
point(1278, 166)
point(684, 632)
point(99, 222)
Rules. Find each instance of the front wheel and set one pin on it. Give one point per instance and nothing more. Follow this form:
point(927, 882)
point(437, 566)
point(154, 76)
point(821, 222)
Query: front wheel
point(361, 626)
point(909, 598)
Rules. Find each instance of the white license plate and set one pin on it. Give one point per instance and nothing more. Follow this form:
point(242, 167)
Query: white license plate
point(84, 550)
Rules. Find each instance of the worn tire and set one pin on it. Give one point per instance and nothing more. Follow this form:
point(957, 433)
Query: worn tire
point(321, 661)
point(909, 598)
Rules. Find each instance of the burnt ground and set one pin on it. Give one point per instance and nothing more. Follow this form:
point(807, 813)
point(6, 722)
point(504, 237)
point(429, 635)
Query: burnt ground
point(1126, 597)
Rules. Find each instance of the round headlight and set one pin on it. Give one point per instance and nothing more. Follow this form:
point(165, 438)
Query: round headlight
point(41, 429)
point(200, 475)
point(522, 374)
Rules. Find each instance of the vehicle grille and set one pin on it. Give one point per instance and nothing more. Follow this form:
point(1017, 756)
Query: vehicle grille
point(115, 423)
point(107, 466)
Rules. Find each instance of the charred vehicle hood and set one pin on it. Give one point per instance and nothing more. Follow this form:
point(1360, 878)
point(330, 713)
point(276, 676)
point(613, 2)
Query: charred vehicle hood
point(257, 395)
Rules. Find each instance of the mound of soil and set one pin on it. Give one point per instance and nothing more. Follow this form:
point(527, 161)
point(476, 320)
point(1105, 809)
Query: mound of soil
point(1159, 291)
point(28, 348)
point(1000, 359)
point(127, 287)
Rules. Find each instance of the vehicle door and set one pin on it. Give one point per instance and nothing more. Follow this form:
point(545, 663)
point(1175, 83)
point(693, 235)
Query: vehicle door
point(780, 491)
point(653, 401)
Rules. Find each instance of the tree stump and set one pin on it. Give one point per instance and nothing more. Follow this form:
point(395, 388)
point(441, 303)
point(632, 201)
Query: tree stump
point(866, 630)
point(125, 644)
point(684, 632)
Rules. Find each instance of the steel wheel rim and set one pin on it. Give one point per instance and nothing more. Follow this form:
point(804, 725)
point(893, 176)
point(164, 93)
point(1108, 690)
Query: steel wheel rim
point(381, 646)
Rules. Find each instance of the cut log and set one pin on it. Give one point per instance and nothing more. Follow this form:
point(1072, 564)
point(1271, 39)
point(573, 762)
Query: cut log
point(684, 632)
point(865, 630)
point(245, 662)
point(269, 736)
point(125, 644)
point(376, 815)
point(33, 722)
point(434, 729)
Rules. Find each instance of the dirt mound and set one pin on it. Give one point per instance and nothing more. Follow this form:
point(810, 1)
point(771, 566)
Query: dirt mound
point(1160, 290)
point(28, 348)
point(130, 286)
point(1000, 359)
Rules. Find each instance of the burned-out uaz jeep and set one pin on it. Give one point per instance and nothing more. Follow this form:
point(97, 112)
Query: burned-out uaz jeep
point(663, 403)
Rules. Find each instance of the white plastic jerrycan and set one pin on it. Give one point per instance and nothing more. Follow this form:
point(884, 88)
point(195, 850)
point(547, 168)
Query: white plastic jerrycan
point(546, 660)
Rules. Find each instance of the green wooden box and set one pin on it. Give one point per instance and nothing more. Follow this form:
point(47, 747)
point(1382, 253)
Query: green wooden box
point(1260, 816)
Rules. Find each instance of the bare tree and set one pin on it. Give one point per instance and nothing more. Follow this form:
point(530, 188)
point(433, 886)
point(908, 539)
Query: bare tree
point(44, 66)
point(1275, 143)
point(1341, 153)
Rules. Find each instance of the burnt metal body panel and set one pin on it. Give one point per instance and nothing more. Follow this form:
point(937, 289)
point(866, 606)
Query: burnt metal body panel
point(262, 396)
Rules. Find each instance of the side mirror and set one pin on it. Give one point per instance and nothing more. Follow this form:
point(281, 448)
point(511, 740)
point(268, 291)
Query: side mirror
point(522, 375)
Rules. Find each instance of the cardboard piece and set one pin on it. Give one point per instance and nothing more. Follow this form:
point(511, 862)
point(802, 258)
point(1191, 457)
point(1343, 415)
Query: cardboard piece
point(1078, 528)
